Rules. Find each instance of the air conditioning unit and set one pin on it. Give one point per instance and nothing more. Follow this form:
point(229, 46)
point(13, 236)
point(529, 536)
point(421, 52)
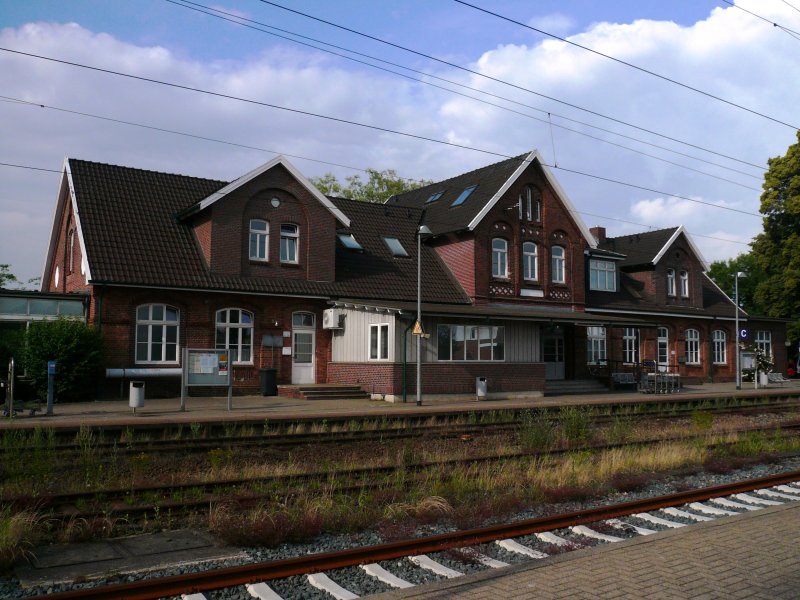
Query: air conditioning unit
point(331, 319)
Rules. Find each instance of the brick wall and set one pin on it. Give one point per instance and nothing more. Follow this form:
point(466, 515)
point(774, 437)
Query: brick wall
point(70, 277)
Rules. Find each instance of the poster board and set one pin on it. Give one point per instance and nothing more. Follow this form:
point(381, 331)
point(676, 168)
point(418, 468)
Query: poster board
point(207, 367)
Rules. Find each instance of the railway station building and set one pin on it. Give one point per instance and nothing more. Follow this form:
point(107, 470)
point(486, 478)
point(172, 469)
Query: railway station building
point(515, 289)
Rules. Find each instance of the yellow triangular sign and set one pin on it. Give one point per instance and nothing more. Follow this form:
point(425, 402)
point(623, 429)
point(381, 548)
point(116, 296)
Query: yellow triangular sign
point(417, 329)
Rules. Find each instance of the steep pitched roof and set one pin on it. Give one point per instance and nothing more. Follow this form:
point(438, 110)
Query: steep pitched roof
point(490, 182)
point(132, 237)
point(639, 248)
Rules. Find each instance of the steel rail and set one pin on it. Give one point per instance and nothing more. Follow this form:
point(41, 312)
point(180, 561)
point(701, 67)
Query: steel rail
point(149, 589)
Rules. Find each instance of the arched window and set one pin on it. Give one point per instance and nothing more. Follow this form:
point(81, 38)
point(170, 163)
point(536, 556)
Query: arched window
point(530, 267)
point(234, 332)
point(290, 236)
point(670, 282)
point(499, 258)
point(692, 347)
point(530, 204)
point(259, 239)
point(684, 284)
point(720, 339)
point(157, 328)
point(557, 265)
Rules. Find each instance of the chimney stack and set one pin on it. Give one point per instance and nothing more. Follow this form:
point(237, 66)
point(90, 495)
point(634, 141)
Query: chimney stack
point(599, 234)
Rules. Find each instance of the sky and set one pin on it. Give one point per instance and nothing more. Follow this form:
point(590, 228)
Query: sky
point(631, 144)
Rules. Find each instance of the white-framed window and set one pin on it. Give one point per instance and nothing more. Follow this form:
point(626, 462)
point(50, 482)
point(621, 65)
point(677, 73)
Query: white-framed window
point(530, 261)
point(558, 265)
point(602, 275)
point(720, 347)
point(764, 343)
point(71, 252)
point(259, 239)
point(379, 341)
point(499, 257)
point(684, 284)
point(305, 320)
point(630, 346)
point(470, 342)
point(692, 347)
point(234, 332)
point(670, 282)
point(595, 345)
point(662, 349)
point(290, 235)
point(157, 328)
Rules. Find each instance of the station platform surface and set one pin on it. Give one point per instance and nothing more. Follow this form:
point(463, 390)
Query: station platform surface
point(252, 408)
point(753, 555)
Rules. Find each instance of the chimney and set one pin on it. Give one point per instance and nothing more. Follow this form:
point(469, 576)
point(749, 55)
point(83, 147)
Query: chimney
point(599, 234)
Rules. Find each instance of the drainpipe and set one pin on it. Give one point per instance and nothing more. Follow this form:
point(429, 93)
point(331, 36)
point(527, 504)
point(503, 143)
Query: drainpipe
point(405, 359)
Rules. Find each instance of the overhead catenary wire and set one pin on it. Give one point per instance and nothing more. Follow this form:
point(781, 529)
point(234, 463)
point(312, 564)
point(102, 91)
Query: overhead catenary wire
point(630, 65)
point(356, 124)
point(496, 79)
point(549, 121)
point(790, 32)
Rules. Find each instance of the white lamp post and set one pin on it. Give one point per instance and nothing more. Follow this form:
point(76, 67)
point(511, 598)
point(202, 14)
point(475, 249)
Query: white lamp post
point(418, 331)
point(736, 301)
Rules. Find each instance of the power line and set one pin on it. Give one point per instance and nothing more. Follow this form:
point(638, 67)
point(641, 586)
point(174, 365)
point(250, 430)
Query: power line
point(497, 80)
point(628, 64)
point(358, 124)
point(237, 20)
point(791, 32)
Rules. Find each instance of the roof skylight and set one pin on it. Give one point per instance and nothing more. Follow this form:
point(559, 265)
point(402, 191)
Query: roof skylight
point(395, 246)
point(464, 195)
point(434, 197)
point(349, 242)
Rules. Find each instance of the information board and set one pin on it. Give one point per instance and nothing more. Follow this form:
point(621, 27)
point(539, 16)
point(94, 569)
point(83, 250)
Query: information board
point(207, 367)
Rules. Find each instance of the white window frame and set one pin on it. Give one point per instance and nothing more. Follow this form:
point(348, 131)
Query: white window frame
point(379, 341)
point(764, 343)
point(483, 338)
point(670, 282)
point(692, 352)
point(261, 239)
point(290, 243)
point(558, 264)
point(602, 275)
point(530, 261)
point(630, 346)
point(684, 276)
point(227, 326)
point(720, 347)
point(500, 258)
point(157, 327)
point(595, 345)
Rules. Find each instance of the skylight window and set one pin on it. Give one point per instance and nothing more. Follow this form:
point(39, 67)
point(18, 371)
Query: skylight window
point(464, 195)
point(395, 246)
point(349, 242)
point(434, 197)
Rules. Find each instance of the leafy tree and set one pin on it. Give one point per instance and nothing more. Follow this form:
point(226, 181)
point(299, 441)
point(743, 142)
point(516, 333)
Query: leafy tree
point(777, 249)
point(6, 276)
point(75, 346)
point(723, 273)
point(379, 187)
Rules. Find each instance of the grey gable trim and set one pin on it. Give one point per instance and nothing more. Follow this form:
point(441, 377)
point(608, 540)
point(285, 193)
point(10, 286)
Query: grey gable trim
point(562, 196)
point(680, 230)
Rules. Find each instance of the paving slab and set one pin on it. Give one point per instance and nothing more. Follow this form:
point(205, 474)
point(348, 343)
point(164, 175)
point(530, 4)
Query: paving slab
point(120, 556)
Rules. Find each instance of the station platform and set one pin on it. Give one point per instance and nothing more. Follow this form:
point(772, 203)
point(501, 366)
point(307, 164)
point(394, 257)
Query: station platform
point(259, 408)
point(752, 555)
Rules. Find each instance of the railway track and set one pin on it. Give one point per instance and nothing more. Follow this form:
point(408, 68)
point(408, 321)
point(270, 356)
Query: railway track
point(530, 539)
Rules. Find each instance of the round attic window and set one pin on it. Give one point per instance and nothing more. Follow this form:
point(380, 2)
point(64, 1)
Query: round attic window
point(276, 202)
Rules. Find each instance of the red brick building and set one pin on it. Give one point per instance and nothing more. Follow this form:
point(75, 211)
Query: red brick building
point(515, 288)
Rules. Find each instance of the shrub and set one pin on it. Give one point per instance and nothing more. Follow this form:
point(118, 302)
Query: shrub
point(75, 346)
point(536, 430)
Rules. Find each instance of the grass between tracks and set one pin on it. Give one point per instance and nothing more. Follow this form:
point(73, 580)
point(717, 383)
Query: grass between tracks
point(400, 504)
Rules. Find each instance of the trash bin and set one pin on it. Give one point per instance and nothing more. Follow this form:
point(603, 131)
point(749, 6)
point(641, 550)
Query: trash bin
point(269, 384)
point(480, 387)
point(136, 395)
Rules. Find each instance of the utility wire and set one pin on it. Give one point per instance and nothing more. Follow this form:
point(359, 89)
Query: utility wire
point(549, 122)
point(628, 64)
point(357, 124)
point(791, 32)
point(495, 79)
point(790, 5)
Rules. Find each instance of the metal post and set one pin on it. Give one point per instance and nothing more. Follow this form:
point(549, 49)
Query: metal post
point(184, 367)
point(10, 392)
point(736, 301)
point(51, 376)
point(419, 317)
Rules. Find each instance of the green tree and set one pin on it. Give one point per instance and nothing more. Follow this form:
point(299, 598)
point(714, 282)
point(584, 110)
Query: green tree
point(723, 272)
point(6, 276)
point(379, 187)
point(77, 349)
point(777, 249)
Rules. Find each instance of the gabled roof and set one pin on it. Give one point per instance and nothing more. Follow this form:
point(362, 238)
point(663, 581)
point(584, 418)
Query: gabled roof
point(649, 247)
point(491, 183)
point(278, 160)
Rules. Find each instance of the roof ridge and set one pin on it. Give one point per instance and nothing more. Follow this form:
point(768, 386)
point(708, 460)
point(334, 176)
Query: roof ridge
point(140, 170)
point(651, 232)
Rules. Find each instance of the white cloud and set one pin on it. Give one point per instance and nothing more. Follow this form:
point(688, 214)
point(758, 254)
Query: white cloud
point(555, 23)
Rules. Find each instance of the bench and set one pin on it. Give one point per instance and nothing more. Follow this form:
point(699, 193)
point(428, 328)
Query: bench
point(623, 379)
point(777, 378)
point(31, 407)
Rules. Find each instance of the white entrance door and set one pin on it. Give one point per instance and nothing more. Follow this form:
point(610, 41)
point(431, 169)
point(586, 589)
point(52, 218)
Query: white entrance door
point(303, 367)
point(663, 349)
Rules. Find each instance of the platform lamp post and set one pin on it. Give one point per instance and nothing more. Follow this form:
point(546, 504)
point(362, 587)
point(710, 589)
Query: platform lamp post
point(418, 331)
point(738, 351)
